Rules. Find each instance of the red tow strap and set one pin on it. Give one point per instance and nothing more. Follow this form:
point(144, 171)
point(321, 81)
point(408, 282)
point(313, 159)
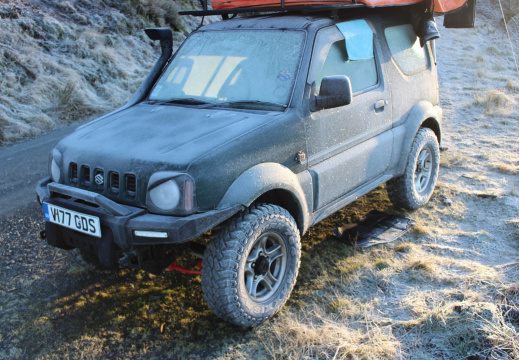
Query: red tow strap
point(175, 267)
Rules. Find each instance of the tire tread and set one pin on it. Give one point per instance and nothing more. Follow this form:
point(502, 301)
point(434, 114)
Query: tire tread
point(222, 260)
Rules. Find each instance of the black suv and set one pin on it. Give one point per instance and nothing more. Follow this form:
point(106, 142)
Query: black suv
point(256, 128)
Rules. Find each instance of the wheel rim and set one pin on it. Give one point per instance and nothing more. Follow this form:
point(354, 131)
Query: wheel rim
point(423, 171)
point(265, 267)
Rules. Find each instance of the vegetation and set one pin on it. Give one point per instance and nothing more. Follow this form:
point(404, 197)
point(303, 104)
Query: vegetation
point(447, 290)
point(63, 61)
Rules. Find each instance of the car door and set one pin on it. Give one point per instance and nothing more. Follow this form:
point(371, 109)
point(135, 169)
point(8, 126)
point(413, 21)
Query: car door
point(350, 145)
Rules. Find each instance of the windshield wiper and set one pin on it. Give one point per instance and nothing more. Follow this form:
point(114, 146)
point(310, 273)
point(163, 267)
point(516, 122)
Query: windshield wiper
point(246, 102)
point(186, 101)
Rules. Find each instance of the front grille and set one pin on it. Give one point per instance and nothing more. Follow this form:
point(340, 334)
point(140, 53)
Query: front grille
point(114, 182)
point(101, 181)
point(85, 176)
point(73, 173)
point(131, 185)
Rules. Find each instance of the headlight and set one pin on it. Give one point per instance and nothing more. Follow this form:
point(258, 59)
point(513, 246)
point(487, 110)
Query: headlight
point(55, 172)
point(171, 193)
point(166, 196)
point(55, 160)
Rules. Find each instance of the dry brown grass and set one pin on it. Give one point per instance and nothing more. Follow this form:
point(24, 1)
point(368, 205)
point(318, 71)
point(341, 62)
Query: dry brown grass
point(454, 159)
point(497, 103)
point(405, 302)
point(314, 334)
point(506, 168)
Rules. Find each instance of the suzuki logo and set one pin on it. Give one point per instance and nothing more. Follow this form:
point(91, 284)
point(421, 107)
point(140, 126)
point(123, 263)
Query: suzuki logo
point(99, 179)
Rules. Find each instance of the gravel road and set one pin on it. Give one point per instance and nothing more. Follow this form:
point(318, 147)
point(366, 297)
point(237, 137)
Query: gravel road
point(23, 164)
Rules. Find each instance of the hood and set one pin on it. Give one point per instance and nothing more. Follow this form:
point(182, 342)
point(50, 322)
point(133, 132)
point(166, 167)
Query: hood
point(171, 137)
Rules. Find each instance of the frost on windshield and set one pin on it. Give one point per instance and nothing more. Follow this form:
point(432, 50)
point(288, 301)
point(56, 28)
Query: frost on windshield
point(240, 65)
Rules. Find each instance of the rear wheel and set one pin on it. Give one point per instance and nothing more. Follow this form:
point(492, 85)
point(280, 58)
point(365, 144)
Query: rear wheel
point(414, 188)
point(250, 267)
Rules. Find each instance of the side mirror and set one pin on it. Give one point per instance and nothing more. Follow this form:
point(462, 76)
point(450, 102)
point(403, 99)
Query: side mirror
point(335, 91)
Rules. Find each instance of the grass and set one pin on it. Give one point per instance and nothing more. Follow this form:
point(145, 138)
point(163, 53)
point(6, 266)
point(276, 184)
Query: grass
point(453, 159)
point(497, 103)
point(512, 85)
point(504, 168)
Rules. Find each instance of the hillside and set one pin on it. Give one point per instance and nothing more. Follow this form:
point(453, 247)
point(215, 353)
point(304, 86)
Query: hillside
point(61, 61)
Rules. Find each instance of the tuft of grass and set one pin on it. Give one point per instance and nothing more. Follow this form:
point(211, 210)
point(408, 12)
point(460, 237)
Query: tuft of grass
point(506, 168)
point(340, 305)
point(496, 102)
point(382, 264)
point(512, 85)
point(422, 265)
point(405, 248)
point(492, 50)
point(510, 289)
point(454, 159)
point(513, 224)
point(351, 265)
point(420, 229)
point(503, 337)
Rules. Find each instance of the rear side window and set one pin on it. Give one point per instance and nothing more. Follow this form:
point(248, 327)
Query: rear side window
point(362, 73)
point(405, 49)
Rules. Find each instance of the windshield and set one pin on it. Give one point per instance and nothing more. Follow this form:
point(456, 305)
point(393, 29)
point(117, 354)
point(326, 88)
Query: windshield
point(241, 66)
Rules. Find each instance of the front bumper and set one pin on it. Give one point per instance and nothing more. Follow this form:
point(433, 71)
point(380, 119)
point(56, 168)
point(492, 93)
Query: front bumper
point(119, 222)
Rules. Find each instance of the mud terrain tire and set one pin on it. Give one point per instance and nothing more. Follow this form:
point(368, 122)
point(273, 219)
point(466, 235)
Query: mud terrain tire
point(251, 266)
point(414, 188)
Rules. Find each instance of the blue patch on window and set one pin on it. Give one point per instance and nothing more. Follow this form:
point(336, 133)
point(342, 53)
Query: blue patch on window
point(359, 39)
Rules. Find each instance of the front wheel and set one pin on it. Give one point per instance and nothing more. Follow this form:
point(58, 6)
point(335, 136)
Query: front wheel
point(414, 188)
point(251, 266)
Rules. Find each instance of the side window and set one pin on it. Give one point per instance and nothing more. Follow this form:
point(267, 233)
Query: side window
point(405, 49)
point(362, 73)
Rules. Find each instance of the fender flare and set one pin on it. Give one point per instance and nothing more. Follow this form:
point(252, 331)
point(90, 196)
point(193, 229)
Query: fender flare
point(262, 178)
point(423, 114)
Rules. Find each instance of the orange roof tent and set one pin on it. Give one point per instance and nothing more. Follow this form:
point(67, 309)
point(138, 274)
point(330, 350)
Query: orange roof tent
point(439, 6)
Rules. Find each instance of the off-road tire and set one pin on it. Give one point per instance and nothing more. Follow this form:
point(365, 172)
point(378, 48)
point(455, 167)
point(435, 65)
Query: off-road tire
point(404, 191)
point(226, 267)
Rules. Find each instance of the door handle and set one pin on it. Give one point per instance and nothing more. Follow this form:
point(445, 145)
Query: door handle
point(380, 104)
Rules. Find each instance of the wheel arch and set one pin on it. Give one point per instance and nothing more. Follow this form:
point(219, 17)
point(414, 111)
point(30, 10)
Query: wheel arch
point(270, 183)
point(434, 125)
point(422, 115)
point(286, 200)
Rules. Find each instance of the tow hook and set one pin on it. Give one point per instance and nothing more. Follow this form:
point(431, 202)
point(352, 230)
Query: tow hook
point(126, 259)
point(43, 235)
point(175, 267)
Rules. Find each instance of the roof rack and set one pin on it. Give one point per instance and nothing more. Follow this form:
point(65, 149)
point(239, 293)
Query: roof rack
point(281, 8)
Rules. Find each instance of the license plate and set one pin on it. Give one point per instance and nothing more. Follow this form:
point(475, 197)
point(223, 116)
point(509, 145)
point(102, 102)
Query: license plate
point(86, 224)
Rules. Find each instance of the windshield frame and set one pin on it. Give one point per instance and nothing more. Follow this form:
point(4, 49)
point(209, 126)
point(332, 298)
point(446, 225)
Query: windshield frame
point(297, 71)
